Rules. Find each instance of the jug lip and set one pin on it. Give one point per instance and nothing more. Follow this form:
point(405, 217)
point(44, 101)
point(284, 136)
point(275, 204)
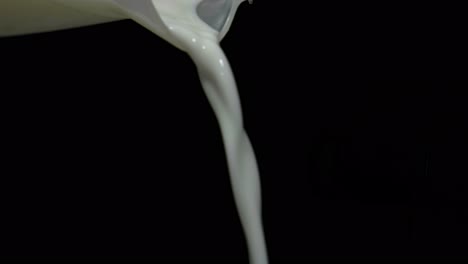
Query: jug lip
point(164, 30)
point(230, 18)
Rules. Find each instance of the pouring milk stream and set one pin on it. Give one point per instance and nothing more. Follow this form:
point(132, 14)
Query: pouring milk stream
point(193, 26)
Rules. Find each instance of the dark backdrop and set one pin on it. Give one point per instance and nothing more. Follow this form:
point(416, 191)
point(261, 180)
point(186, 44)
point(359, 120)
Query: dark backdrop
point(357, 113)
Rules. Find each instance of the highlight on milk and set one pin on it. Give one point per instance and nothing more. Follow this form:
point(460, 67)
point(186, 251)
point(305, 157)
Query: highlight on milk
point(193, 26)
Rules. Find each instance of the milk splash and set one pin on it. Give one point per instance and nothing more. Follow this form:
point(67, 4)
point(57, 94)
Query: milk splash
point(196, 27)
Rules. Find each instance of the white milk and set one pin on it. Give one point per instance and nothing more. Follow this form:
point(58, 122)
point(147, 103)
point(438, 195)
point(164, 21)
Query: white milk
point(178, 22)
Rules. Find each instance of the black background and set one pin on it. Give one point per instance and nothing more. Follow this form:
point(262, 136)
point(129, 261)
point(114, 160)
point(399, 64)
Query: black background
point(357, 114)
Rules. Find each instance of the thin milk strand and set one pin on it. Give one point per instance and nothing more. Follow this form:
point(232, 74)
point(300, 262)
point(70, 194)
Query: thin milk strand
point(220, 87)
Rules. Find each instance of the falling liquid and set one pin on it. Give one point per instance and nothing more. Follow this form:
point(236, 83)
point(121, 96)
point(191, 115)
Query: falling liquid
point(218, 82)
point(217, 79)
point(178, 22)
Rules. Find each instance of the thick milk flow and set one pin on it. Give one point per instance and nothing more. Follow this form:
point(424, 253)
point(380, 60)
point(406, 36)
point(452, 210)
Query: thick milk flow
point(178, 22)
point(219, 85)
point(202, 44)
